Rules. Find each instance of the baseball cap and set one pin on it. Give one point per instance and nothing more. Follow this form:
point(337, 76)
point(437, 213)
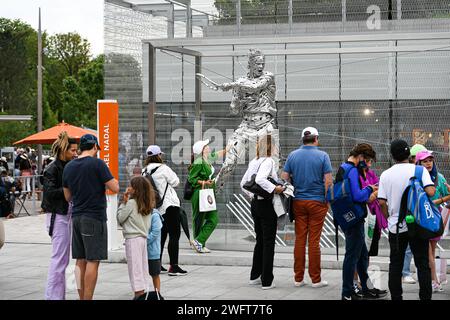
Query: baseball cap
point(415, 149)
point(3, 169)
point(199, 145)
point(154, 150)
point(422, 155)
point(89, 139)
point(3, 159)
point(310, 131)
point(400, 150)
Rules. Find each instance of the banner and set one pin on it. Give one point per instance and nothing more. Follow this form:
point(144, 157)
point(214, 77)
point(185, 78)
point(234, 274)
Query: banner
point(108, 134)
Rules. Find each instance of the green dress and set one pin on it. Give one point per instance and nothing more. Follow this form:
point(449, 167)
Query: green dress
point(204, 223)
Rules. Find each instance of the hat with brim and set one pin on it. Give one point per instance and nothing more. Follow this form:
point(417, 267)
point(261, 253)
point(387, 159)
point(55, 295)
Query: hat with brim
point(154, 150)
point(198, 147)
point(422, 155)
point(89, 139)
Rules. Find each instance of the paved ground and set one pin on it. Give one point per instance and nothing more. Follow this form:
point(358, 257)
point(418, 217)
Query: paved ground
point(25, 258)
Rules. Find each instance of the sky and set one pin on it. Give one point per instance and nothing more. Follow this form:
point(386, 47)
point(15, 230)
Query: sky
point(61, 16)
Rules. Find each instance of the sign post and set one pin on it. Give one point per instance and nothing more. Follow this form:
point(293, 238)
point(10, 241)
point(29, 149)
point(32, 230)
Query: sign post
point(108, 136)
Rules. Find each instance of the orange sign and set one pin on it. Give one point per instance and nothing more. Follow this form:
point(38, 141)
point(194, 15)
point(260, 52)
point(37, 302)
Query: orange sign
point(108, 134)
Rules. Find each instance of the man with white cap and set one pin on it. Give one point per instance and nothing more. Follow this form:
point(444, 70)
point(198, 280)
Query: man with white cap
point(309, 170)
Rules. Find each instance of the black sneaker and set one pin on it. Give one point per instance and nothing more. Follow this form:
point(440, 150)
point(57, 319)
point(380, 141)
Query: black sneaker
point(374, 294)
point(163, 270)
point(353, 297)
point(357, 290)
point(176, 271)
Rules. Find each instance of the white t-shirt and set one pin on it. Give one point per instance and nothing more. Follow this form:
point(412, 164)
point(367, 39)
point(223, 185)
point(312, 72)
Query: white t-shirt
point(393, 182)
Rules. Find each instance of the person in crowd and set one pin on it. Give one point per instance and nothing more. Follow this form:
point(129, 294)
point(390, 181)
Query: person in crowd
point(4, 163)
point(393, 183)
point(368, 177)
point(407, 275)
point(442, 195)
point(85, 180)
point(134, 217)
point(56, 207)
point(154, 248)
point(7, 188)
point(166, 180)
point(201, 173)
point(263, 213)
point(356, 254)
point(309, 170)
point(25, 172)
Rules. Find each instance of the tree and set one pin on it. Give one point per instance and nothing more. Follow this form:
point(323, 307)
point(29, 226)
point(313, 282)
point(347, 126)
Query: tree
point(79, 97)
point(71, 50)
point(67, 54)
point(18, 54)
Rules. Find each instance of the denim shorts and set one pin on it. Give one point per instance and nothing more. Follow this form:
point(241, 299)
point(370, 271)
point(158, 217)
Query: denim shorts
point(89, 238)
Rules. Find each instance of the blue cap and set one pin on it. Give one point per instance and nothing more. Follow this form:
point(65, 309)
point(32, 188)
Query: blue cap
point(89, 139)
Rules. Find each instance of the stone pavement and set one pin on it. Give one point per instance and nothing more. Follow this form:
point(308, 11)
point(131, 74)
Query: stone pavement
point(25, 258)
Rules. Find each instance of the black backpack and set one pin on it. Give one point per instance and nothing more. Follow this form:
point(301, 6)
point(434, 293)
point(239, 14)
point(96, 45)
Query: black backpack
point(158, 200)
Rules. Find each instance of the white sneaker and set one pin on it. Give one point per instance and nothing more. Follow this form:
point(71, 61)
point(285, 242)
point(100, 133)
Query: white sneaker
point(197, 246)
point(299, 284)
point(408, 280)
point(320, 284)
point(269, 287)
point(206, 250)
point(255, 282)
point(437, 287)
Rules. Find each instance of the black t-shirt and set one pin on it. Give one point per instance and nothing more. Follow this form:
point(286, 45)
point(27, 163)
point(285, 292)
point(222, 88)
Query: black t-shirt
point(85, 178)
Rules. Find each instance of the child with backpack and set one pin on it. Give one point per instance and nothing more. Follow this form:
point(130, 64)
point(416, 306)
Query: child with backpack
point(134, 217)
point(393, 184)
point(349, 212)
point(426, 159)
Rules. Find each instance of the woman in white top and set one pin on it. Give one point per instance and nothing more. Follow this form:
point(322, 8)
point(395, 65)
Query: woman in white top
point(263, 213)
point(164, 177)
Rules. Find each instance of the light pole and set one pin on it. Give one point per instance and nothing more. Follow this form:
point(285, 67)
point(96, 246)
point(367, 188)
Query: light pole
point(39, 97)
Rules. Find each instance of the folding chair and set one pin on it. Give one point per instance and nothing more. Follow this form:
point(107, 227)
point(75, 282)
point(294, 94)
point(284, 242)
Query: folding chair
point(20, 200)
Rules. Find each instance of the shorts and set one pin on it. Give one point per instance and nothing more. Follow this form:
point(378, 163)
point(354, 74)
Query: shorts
point(154, 267)
point(89, 239)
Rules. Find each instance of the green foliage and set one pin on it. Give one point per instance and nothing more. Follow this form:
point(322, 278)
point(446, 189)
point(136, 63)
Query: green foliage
point(79, 98)
point(72, 51)
point(18, 53)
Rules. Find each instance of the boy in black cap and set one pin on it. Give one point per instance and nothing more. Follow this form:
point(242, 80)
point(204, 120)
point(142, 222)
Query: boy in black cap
point(393, 183)
point(85, 180)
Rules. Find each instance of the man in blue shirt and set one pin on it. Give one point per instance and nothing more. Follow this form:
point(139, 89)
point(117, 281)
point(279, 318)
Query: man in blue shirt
point(309, 170)
point(85, 181)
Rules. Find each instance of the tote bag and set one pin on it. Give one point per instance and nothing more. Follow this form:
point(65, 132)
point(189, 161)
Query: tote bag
point(207, 200)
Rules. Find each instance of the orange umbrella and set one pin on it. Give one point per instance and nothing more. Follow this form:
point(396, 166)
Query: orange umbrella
point(50, 135)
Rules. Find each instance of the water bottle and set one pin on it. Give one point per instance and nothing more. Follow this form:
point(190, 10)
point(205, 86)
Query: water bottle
point(409, 219)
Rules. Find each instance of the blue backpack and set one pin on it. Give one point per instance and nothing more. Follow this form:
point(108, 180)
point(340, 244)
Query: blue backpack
point(346, 213)
point(422, 216)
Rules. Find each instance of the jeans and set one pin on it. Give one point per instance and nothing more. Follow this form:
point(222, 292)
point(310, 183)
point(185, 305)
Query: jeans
point(356, 258)
point(419, 248)
point(171, 227)
point(265, 220)
point(407, 264)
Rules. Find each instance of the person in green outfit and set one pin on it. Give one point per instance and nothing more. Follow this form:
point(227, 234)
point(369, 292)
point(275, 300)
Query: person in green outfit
point(200, 176)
